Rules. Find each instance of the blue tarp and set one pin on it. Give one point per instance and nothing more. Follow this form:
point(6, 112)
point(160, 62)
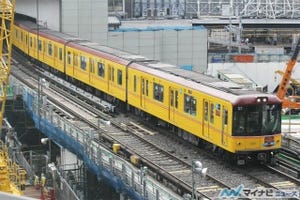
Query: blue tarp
point(60, 137)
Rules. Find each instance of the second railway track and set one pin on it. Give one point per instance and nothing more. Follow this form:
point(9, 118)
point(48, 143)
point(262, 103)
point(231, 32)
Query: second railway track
point(166, 159)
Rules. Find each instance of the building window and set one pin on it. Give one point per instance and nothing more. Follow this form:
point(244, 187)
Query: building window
point(119, 77)
point(158, 92)
point(101, 69)
point(50, 49)
point(82, 63)
point(190, 105)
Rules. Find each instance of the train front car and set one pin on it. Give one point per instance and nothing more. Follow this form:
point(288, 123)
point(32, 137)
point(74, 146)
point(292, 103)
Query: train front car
point(256, 128)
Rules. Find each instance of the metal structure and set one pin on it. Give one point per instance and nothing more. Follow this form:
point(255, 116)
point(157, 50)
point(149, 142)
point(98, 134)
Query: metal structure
point(292, 102)
point(7, 8)
point(272, 9)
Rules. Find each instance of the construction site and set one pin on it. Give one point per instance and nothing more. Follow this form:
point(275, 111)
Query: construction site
point(48, 152)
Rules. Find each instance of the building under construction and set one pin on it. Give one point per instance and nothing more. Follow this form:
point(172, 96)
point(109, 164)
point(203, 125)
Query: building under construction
point(196, 8)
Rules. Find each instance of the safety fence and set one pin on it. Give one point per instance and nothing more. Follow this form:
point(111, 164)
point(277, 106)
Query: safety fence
point(117, 172)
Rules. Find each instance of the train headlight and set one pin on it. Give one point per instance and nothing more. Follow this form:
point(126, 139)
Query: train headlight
point(265, 100)
point(262, 99)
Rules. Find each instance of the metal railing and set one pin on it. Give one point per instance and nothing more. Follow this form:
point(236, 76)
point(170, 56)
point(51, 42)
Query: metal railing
point(103, 161)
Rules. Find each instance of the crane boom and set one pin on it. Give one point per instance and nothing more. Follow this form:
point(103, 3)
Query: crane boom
point(7, 9)
point(290, 102)
point(288, 73)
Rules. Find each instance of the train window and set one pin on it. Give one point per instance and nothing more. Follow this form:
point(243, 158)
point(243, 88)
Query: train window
point(112, 74)
point(39, 45)
point(172, 98)
point(60, 53)
point(143, 86)
point(82, 63)
point(147, 85)
point(190, 105)
point(176, 99)
point(22, 36)
point(134, 83)
point(75, 59)
point(50, 49)
point(55, 51)
point(30, 41)
point(69, 57)
point(225, 117)
point(212, 116)
point(256, 120)
point(158, 92)
point(91, 61)
point(16, 33)
point(44, 45)
point(101, 69)
point(119, 77)
point(34, 43)
point(205, 110)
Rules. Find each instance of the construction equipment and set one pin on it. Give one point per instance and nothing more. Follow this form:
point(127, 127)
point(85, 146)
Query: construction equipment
point(293, 88)
point(289, 102)
point(12, 177)
point(7, 9)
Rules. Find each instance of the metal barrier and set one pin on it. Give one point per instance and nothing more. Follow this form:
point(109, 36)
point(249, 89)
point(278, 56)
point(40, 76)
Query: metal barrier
point(228, 57)
point(117, 172)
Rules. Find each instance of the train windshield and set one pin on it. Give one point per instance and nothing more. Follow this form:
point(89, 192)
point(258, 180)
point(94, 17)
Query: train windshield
point(263, 119)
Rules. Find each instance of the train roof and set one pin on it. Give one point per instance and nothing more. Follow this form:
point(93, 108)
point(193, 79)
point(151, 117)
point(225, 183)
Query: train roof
point(207, 84)
point(113, 54)
point(227, 90)
point(45, 32)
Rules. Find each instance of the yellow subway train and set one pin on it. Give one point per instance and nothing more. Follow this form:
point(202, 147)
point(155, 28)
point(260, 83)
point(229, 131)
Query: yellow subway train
point(244, 124)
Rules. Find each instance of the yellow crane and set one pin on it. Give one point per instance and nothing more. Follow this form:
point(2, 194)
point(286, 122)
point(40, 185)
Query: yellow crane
point(7, 9)
point(12, 177)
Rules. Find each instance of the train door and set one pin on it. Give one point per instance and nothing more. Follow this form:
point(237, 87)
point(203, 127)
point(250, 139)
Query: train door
point(173, 104)
point(224, 126)
point(143, 92)
point(111, 77)
point(205, 124)
point(55, 63)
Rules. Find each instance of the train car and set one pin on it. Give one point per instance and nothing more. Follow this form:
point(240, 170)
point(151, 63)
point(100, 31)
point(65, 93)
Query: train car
point(20, 38)
point(244, 122)
point(98, 66)
point(42, 44)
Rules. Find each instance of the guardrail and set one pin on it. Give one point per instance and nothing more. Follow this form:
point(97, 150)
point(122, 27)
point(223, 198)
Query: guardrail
point(119, 173)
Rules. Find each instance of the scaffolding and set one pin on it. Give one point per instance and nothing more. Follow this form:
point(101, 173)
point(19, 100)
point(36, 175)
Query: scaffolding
point(7, 18)
point(269, 9)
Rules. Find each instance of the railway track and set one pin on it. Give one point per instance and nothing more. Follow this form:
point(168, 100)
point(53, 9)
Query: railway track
point(167, 159)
